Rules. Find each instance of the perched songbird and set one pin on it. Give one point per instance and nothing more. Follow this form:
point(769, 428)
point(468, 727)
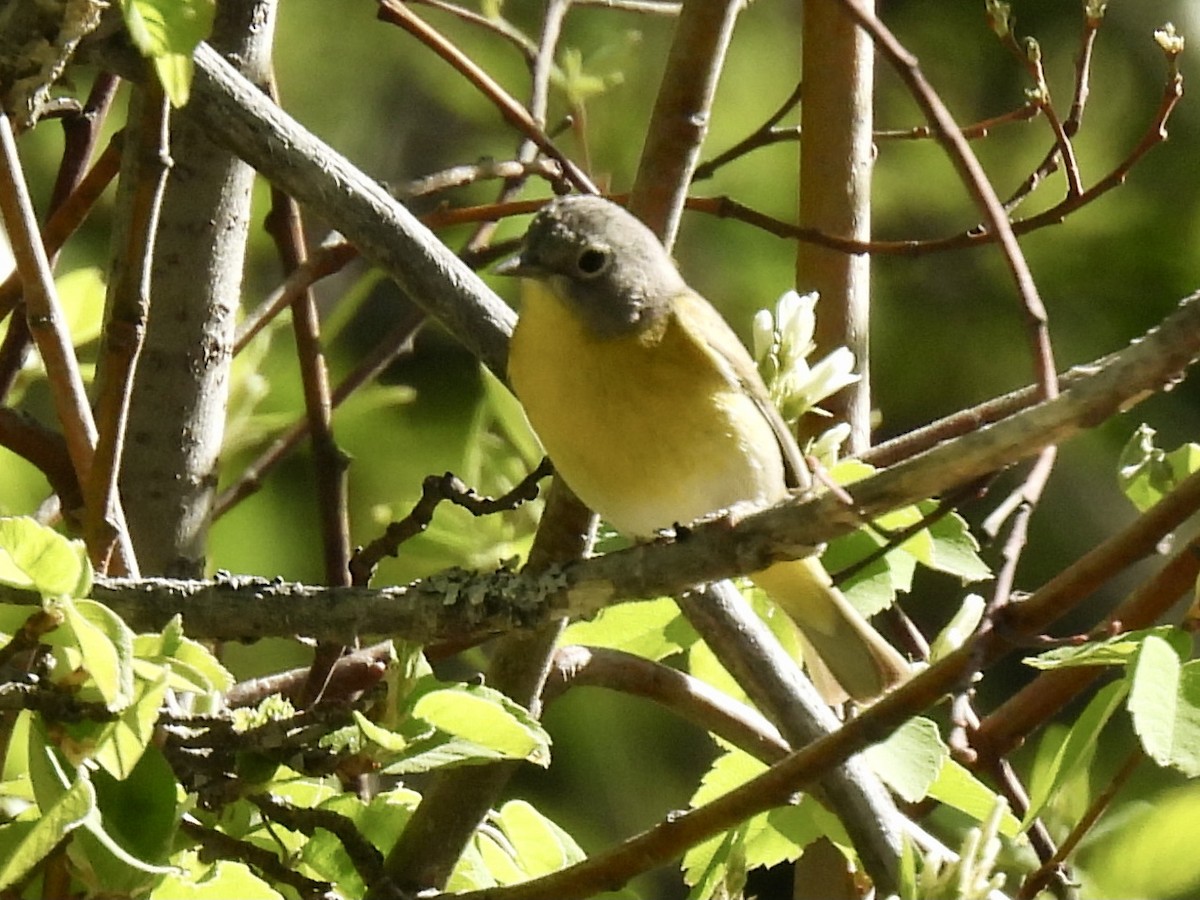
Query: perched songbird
point(653, 412)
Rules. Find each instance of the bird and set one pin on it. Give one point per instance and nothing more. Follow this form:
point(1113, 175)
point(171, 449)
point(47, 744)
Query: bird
point(653, 412)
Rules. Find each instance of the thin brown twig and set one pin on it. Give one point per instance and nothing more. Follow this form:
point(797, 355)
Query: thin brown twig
point(650, 7)
point(689, 697)
point(353, 673)
point(498, 25)
point(1051, 868)
point(975, 180)
point(396, 342)
point(1083, 72)
point(458, 176)
point(67, 217)
point(541, 68)
point(893, 539)
point(965, 719)
point(1063, 146)
point(513, 112)
point(1024, 499)
point(330, 464)
point(974, 131)
point(80, 134)
point(762, 136)
point(1156, 133)
point(435, 490)
point(47, 324)
point(363, 855)
point(769, 134)
point(1061, 153)
point(326, 260)
point(1014, 791)
point(1032, 706)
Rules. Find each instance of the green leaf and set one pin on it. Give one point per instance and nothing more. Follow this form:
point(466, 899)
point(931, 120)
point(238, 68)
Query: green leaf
point(413, 746)
point(960, 627)
point(718, 864)
point(910, 759)
point(141, 811)
point(1075, 751)
point(958, 788)
point(16, 757)
point(488, 718)
point(1118, 650)
point(389, 739)
point(953, 549)
point(46, 774)
point(716, 867)
point(110, 866)
point(441, 751)
point(123, 742)
point(219, 881)
point(653, 629)
point(105, 646)
point(101, 861)
point(873, 587)
point(167, 32)
point(578, 84)
point(189, 664)
point(381, 821)
point(487, 862)
point(1146, 473)
point(1164, 701)
point(539, 846)
point(767, 839)
point(25, 844)
point(34, 557)
point(946, 545)
point(1152, 853)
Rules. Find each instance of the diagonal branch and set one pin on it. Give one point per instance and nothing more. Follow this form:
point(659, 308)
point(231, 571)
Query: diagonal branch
point(233, 608)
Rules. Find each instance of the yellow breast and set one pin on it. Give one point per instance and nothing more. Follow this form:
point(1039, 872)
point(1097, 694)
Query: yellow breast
point(646, 429)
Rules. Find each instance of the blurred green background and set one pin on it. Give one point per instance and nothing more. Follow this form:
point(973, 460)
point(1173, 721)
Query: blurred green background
point(947, 329)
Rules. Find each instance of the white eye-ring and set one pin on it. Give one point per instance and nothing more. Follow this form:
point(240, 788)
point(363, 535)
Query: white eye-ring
point(592, 261)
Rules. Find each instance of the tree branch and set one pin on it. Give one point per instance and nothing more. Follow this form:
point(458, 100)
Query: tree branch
point(457, 603)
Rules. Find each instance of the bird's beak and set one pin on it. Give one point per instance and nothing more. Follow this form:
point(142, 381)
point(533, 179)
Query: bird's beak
point(516, 266)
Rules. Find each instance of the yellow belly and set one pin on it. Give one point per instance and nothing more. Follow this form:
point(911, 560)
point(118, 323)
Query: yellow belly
point(645, 429)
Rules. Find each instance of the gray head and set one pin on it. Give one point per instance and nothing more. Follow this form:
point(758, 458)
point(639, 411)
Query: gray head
point(602, 260)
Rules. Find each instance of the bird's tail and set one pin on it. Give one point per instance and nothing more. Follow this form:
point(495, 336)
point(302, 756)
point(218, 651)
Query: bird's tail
point(854, 653)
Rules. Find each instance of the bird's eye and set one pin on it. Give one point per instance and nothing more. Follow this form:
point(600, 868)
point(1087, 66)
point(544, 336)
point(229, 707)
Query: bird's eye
point(592, 261)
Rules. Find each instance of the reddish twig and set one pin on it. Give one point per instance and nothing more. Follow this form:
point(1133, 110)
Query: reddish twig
point(689, 697)
point(47, 325)
point(285, 227)
point(396, 342)
point(397, 13)
point(1051, 868)
point(326, 260)
point(65, 219)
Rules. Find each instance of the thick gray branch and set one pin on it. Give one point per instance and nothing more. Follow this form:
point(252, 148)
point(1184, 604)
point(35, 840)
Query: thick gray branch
point(242, 118)
point(458, 603)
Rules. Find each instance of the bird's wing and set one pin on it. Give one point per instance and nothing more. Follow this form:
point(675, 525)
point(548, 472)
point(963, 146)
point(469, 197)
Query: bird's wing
point(713, 334)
